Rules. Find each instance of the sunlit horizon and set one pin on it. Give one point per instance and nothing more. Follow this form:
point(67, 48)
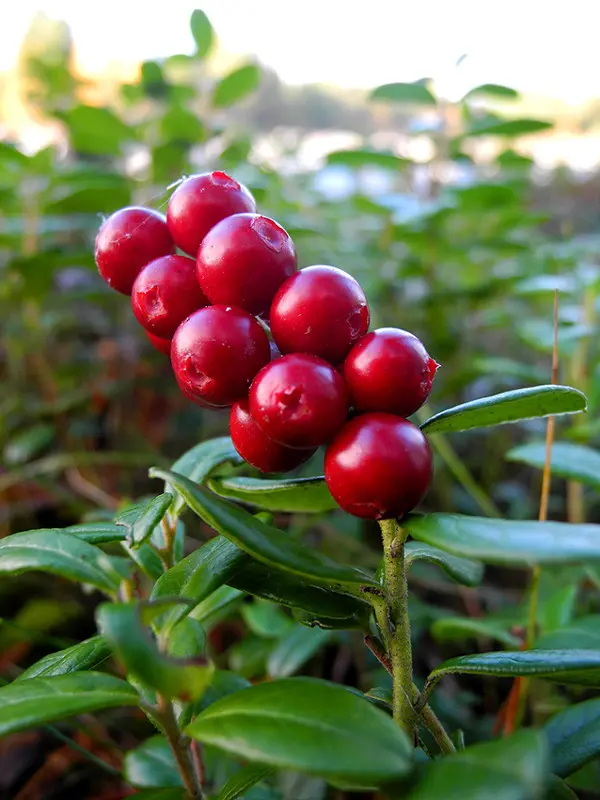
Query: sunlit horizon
point(534, 47)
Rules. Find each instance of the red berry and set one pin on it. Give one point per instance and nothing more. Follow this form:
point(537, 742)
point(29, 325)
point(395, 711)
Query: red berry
point(165, 293)
point(389, 370)
point(199, 202)
point(320, 310)
point(299, 400)
point(257, 449)
point(378, 467)
point(162, 345)
point(243, 260)
point(216, 352)
point(127, 241)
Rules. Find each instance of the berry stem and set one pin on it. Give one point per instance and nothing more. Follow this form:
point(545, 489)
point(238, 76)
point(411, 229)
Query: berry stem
point(397, 624)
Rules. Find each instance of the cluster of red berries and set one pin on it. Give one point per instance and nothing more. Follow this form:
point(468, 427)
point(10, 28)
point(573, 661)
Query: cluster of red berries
point(319, 379)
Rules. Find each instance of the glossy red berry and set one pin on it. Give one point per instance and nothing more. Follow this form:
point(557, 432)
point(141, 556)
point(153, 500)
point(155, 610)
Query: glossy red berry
point(378, 467)
point(243, 260)
point(257, 449)
point(127, 241)
point(320, 310)
point(199, 202)
point(299, 400)
point(216, 352)
point(165, 293)
point(162, 345)
point(389, 370)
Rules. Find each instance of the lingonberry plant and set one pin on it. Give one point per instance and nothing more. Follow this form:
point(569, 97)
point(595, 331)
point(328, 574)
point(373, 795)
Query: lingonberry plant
point(328, 383)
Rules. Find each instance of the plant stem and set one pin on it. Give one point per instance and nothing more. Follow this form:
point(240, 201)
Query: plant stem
point(397, 624)
point(178, 745)
point(436, 729)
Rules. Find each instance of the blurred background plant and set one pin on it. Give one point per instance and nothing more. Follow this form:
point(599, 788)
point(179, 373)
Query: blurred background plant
point(459, 215)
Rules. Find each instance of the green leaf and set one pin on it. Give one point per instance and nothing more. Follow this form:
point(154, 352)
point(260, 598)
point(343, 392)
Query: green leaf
point(161, 794)
point(152, 764)
point(198, 463)
point(512, 542)
point(198, 575)
point(558, 790)
point(147, 559)
point(292, 495)
point(574, 737)
point(579, 667)
point(236, 85)
point(83, 656)
point(141, 520)
point(28, 443)
point(367, 157)
point(244, 779)
point(59, 553)
point(457, 628)
point(294, 649)
point(121, 624)
point(493, 90)
point(27, 704)
point(462, 570)
point(202, 31)
point(266, 619)
point(513, 406)
point(514, 768)
point(217, 606)
point(410, 93)
point(302, 724)
point(263, 542)
point(97, 532)
point(96, 131)
point(509, 127)
point(317, 600)
point(574, 462)
point(582, 634)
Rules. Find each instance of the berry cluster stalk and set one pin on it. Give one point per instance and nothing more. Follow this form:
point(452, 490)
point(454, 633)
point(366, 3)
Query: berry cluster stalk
point(397, 623)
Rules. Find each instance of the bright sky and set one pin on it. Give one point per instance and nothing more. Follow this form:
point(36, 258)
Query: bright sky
point(534, 45)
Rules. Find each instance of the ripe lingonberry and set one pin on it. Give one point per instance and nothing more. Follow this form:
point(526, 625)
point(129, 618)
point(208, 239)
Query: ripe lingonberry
point(165, 293)
point(199, 202)
point(216, 352)
point(320, 310)
point(127, 241)
point(378, 467)
point(162, 345)
point(299, 400)
point(389, 370)
point(243, 260)
point(257, 449)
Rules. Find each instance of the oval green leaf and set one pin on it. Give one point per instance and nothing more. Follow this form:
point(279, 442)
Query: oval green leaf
point(451, 629)
point(579, 667)
point(202, 31)
point(294, 649)
point(122, 625)
point(97, 532)
point(509, 127)
point(26, 704)
point(512, 542)
point(83, 656)
point(582, 633)
point(574, 737)
point(318, 737)
point(293, 495)
point(152, 764)
point(410, 93)
point(243, 780)
point(575, 462)
point(61, 554)
point(462, 570)
point(263, 542)
point(515, 768)
point(498, 409)
point(198, 575)
point(367, 157)
point(237, 85)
